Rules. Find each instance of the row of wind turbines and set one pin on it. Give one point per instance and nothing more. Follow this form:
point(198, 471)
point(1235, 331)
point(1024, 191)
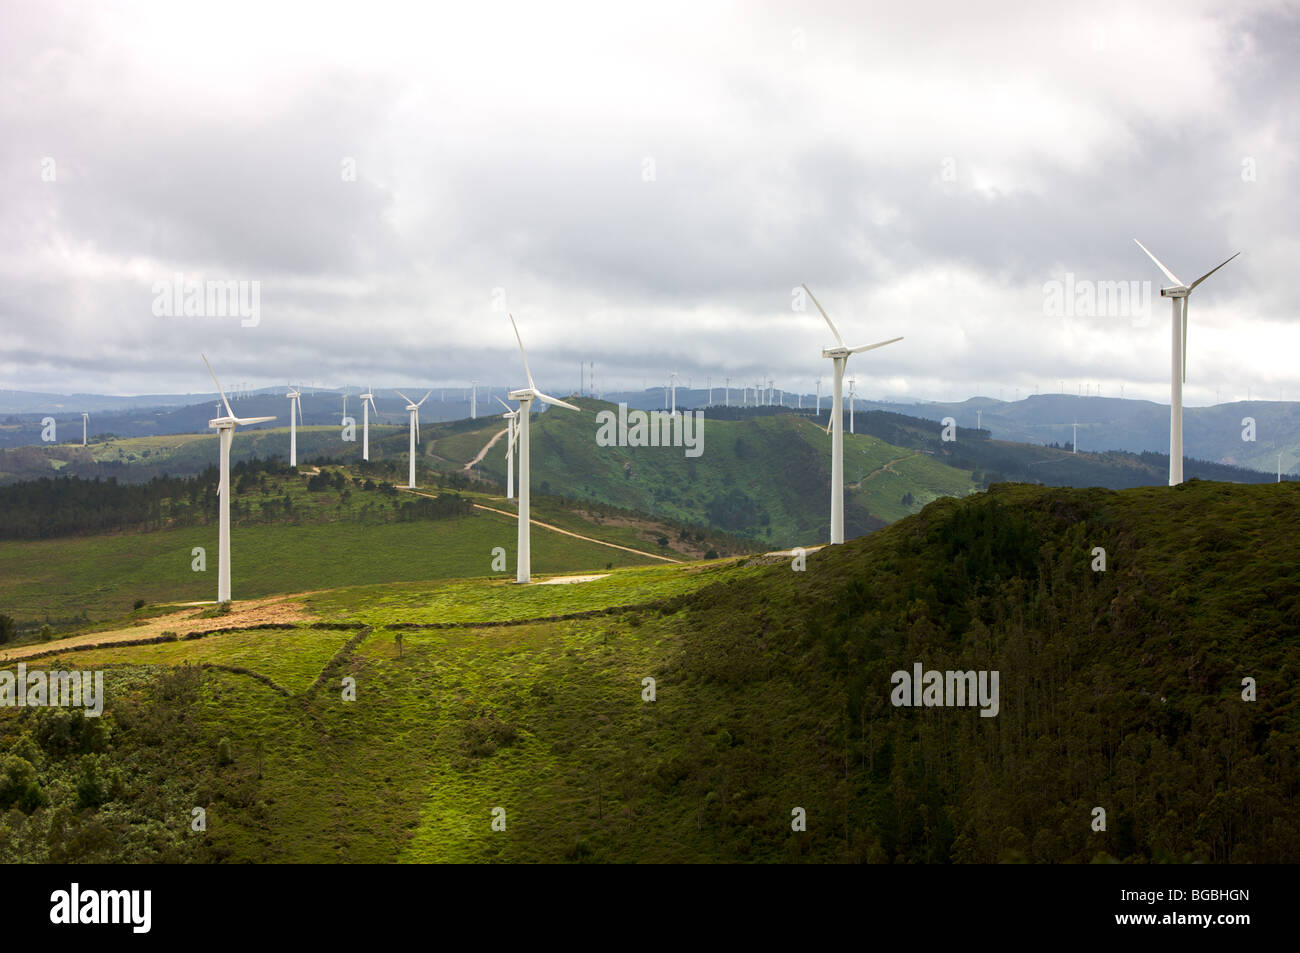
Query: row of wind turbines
point(518, 424)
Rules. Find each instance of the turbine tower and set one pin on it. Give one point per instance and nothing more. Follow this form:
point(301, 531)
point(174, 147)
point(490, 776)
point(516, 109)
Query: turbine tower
point(839, 355)
point(367, 402)
point(1074, 447)
point(1178, 295)
point(295, 400)
point(526, 396)
point(84, 417)
point(672, 383)
point(413, 409)
point(511, 416)
point(852, 403)
point(473, 400)
point(225, 428)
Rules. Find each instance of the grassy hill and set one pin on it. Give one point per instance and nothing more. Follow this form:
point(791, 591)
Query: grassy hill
point(1119, 689)
point(320, 527)
point(765, 476)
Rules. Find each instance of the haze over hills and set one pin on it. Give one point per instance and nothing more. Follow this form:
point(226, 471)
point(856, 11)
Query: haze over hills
point(1212, 434)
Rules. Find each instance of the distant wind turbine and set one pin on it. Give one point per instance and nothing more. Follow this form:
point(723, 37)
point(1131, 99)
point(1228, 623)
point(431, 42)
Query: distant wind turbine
point(295, 401)
point(511, 432)
point(84, 418)
point(526, 396)
point(367, 402)
point(1178, 296)
point(225, 427)
point(839, 355)
point(413, 409)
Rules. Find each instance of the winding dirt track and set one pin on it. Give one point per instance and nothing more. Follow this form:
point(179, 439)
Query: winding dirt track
point(483, 453)
point(251, 612)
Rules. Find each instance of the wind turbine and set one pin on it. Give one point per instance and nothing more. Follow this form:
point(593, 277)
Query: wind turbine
point(344, 419)
point(672, 383)
point(726, 394)
point(525, 396)
point(295, 400)
point(511, 416)
point(1074, 447)
point(367, 402)
point(225, 427)
point(84, 418)
point(1178, 295)
point(473, 400)
point(413, 409)
point(840, 356)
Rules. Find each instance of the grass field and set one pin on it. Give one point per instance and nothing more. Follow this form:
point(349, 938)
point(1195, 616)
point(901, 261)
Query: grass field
point(771, 694)
point(102, 576)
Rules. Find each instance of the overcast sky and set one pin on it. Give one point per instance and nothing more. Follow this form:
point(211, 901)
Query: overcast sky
point(643, 185)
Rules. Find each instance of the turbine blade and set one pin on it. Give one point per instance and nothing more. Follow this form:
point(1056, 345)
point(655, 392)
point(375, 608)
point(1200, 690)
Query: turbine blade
point(1208, 273)
point(522, 352)
point(556, 401)
point(403, 396)
point(424, 398)
point(503, 403)
point(838, 339)
point(244, 421)
point(1159, 264)
point(872, 347)
point(218, 383)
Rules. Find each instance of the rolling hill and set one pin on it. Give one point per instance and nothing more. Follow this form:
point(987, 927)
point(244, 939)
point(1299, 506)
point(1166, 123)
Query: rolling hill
point(479, 702)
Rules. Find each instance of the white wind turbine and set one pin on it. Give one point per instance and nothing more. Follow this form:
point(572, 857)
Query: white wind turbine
point(672, 383)
point(84, 418)
point(473, 400)
point(1178, 295)
point(525, 396)
point(367, 402)
point(295, 401)
point(511, 416)
point(852, 403)
point(413, 409)
point(840, 356)
point(225, 427)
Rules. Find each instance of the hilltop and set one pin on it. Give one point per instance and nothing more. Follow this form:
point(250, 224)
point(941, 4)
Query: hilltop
point(1120, 689)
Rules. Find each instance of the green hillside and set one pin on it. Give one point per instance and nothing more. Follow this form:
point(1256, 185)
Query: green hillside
point(765, 477)
point(1119, 689)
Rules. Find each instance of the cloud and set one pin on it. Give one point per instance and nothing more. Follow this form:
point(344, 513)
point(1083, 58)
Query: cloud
point(643, 188)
